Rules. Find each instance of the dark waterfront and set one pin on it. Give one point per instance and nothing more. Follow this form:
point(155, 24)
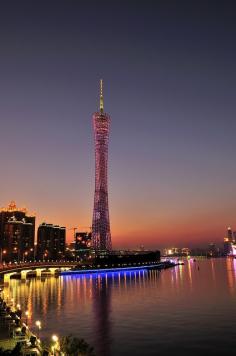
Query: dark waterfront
point(179, 310)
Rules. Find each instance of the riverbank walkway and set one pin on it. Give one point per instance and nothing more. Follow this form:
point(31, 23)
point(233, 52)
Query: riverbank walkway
point(14, 332)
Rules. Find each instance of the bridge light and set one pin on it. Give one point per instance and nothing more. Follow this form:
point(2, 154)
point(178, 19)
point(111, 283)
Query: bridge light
point(18, 306)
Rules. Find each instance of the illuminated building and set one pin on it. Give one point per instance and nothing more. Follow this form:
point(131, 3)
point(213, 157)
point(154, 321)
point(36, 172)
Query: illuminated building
point(172, 251)
point(83, 244)
point(51, 241)
point(185, 251)
point(228, 240)
point(17, 230)
point(230, 234)
point(101, 236)
point(176, 251)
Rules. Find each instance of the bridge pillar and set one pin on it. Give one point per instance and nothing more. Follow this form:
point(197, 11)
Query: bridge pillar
point(52, 270)
point(7, 277)
point(23, 273)
point(38, 272)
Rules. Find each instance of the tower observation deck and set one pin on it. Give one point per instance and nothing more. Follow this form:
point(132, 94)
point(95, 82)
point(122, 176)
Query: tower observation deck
point(101, 235)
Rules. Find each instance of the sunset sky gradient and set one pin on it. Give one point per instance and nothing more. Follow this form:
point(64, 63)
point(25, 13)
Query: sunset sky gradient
point(169, 85)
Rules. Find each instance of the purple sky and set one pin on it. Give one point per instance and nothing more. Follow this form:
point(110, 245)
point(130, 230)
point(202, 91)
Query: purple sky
point(169, 86)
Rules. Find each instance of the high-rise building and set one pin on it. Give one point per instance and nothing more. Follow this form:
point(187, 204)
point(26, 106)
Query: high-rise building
point(228, 242)
point(51, 241)
point(101, 235)
point(230, 234)
point(17, 229)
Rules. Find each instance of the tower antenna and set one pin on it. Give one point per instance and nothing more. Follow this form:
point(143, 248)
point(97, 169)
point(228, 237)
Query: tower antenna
point(101, 96)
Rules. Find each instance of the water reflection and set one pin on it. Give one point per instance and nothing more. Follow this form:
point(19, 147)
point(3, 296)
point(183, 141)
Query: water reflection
point(101, 296)
point(231, 274)
point(138, 312)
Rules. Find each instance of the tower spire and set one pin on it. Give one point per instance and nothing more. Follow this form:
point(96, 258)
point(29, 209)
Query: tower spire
point(101, 96)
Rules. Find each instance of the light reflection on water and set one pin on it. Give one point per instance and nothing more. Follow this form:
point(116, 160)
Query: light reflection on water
point(183, 309)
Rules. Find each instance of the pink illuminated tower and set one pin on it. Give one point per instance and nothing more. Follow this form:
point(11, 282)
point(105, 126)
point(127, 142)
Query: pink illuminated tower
point(101, 235)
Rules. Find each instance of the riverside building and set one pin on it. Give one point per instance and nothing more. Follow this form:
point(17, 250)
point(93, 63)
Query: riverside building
point(51, 240)
point(228, 240)
point(17, 230)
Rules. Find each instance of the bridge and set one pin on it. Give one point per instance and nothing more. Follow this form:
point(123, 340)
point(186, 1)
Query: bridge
point(6, 271)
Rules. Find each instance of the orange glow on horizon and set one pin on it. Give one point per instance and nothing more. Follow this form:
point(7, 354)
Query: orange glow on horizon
point(136, 228)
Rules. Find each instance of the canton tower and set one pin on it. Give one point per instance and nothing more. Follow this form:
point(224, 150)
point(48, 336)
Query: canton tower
point(101, 235)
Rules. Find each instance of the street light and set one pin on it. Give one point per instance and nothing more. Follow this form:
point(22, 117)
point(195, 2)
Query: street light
point(44, 255)
point(54, 338)
point(26, 317)
point(2, 252)
point(25, 254)
point(55, 346)
point(38, 324)
point(17, 250)
point(31, 254)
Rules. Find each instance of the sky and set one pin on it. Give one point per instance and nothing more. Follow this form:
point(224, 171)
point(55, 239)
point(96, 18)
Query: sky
point(169, 85)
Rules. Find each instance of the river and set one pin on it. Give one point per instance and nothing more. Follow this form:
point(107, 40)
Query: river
point(181, 310)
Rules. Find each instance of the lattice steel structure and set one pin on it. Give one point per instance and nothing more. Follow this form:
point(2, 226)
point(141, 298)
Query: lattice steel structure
point(101, 235)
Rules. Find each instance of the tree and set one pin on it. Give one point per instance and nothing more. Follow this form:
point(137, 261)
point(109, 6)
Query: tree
point(73, 346)
point(17, 351)
point(4, 352)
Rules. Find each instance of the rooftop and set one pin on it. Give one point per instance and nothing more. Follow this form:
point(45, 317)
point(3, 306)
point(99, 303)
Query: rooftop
point(13, 208)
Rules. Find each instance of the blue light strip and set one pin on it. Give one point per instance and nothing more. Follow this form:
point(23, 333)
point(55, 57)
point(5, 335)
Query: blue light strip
point(101, 270)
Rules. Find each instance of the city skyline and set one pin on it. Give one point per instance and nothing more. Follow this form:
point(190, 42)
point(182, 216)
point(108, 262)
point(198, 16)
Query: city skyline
point(172, 174)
